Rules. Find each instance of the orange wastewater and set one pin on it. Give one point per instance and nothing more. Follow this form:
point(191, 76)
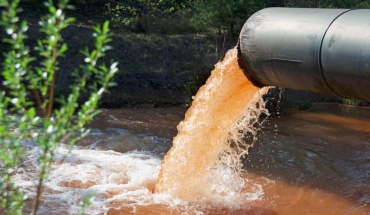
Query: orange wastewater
point(202, 166)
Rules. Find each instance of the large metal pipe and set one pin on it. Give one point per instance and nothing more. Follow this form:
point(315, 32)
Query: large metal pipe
point(319, 50)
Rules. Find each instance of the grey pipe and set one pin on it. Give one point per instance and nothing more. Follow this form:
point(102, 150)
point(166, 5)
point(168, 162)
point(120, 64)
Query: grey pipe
point(319, 50)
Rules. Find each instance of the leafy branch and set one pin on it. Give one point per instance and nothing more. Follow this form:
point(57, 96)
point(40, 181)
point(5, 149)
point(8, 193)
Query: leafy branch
point(18, 111)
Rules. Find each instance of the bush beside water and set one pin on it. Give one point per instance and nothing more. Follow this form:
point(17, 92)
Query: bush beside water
point(28, 111)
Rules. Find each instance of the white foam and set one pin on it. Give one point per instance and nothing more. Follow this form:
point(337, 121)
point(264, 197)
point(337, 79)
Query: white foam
point(109, 176)
point(114, 180)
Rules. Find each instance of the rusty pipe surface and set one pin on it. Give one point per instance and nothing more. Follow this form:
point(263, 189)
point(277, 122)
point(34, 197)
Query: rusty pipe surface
point(318, 50)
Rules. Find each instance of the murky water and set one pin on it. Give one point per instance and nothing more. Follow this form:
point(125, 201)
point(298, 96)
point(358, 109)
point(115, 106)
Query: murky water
point(314, 162)
point(301, 163)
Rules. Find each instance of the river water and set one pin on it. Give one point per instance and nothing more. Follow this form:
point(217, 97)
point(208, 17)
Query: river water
point(315, 162)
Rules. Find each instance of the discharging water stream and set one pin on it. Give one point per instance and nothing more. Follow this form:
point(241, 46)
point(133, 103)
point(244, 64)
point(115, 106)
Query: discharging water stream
point(314, 162)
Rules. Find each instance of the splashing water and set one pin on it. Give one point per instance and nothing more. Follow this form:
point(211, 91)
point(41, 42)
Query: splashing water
point(314, 163)
point(79, 173)
point(203, 166)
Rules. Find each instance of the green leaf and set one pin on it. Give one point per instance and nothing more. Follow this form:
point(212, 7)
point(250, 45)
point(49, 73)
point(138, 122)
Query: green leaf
point(62, 49)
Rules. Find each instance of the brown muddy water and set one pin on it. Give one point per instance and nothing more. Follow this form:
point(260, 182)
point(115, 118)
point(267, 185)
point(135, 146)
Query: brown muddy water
point(302, 163)
point(314, 162)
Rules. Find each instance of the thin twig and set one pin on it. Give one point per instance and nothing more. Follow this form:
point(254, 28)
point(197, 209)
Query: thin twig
point(38, 100)
point(38, 196)
point(52, 86)
point(66, 137)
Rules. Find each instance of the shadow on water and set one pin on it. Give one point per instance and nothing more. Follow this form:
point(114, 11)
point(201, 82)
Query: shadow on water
point(306, 157)
point(128, 129)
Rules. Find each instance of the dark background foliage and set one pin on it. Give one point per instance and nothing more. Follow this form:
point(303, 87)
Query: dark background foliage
point(165, 48)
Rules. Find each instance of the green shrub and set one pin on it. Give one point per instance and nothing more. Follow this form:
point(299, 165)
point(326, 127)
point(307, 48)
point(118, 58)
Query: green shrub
point(192, 85)
point(28, 87)
point(350, 101)
point(305, 105)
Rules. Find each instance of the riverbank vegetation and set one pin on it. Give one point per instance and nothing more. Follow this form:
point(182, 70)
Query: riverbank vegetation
point(166, 48)
point(28, 111)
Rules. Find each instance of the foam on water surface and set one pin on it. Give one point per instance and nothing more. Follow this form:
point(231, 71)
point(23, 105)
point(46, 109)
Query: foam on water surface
point(108, 176)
